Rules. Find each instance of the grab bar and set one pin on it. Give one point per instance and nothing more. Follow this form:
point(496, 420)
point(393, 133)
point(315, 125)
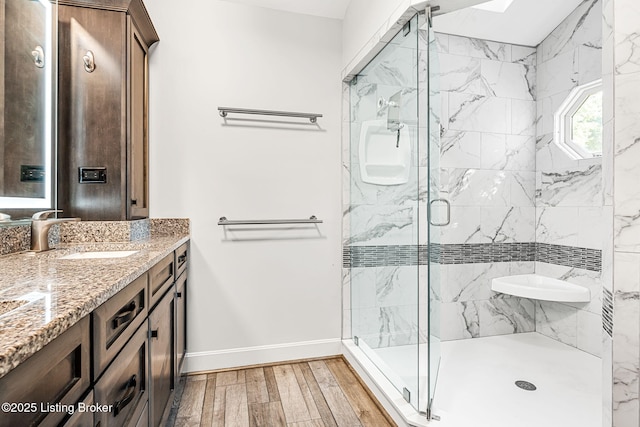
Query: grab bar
point(311, 116)
point(311, 220)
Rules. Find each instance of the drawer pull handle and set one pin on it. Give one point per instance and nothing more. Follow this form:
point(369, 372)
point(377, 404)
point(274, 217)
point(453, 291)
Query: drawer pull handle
point(178, 294)
point(154, 334)
point(125, 315)
point(130, 388)
point(182, 258)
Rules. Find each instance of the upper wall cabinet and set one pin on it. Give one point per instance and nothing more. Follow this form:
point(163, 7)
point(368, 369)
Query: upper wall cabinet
point(103, 109)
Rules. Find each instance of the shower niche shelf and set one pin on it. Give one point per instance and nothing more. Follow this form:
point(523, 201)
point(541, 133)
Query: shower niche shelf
point(539, 287)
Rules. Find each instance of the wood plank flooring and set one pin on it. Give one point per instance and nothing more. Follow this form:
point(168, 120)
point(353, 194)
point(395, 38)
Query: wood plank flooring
point(318, 393)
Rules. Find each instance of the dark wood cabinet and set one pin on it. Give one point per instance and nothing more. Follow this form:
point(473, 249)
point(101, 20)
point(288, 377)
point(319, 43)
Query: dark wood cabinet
point(162, 357)
point(124, 384)
point(115, 321)
point(103, 160)
point(127, 353)
point(180, 324)
point(57, 374)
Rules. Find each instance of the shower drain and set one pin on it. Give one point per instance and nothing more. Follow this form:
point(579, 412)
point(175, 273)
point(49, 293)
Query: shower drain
point(526, 385)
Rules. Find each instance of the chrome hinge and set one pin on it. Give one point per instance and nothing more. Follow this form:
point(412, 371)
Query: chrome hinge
point(406, 394)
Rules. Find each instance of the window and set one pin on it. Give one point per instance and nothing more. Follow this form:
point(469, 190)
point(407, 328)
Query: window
point(578, 122)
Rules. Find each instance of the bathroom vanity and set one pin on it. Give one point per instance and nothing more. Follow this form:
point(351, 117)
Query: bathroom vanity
point(93, 339)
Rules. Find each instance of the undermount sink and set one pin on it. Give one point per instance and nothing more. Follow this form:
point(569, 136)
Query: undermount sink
point(99, 255)
point(539, 287)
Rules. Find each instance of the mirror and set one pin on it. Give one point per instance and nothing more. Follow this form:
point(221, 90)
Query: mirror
point(28, 64)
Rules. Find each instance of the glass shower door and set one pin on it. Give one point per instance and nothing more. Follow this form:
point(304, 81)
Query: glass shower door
point(384, 211)
point(437, 212)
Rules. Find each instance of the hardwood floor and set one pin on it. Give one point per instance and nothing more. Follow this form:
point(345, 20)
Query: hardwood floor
point(314, 393)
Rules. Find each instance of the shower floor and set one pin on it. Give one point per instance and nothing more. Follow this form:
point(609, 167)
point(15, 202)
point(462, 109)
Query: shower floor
point(476, 382)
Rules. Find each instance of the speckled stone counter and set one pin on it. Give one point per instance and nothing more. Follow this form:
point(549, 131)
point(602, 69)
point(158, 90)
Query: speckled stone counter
point(60, 292)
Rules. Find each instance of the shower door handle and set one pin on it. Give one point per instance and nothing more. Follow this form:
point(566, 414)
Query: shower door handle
point(429, 213)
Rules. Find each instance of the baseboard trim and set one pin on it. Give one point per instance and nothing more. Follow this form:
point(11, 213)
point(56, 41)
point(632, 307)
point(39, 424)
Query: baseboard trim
point(247, 356)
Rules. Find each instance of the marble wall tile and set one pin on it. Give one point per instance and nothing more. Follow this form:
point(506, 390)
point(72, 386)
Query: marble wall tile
point(471, 282)
point(578, 186)
point(607, 380)
point(524, 55)
point(396, 286)
point(464, 227)
point(588, 333)
point(474, 187)
point(507, 224)
point(557, 225)
point(557, 321)
point(591, 227)
point(481, 113)
point(508, 80)
point(508, 152)
point(362, 287)
point(627, 37)
point(442, 43)
point(557, 75)
point(381, 224)
point(589, 64)
point(477, 48)
point(626, 359)
point(461, 74)
point(496, 316)
point(523, 117)
point(626, 171)
point(523, 188)
point(574, 31)
point(461, 149)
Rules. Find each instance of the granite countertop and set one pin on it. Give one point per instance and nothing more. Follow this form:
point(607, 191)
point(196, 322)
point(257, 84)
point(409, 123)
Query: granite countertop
point(59, 292)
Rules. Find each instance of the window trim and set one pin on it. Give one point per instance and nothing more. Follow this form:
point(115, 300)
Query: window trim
point(562, 120)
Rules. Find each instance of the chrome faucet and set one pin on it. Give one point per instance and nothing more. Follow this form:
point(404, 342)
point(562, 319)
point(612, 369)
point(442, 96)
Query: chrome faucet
point(40, 225)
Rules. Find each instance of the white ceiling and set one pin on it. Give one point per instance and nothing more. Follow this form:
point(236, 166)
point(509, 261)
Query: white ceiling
point(325, 8)
point(525, 22)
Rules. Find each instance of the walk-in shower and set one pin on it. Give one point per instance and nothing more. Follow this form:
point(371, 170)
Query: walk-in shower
point(453, 178)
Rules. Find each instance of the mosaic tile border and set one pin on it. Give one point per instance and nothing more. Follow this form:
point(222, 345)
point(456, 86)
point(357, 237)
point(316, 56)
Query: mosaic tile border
point(404, 255)
point(607, 311)
point(588, 259)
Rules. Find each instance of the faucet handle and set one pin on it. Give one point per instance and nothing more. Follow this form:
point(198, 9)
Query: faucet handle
point(42, 215)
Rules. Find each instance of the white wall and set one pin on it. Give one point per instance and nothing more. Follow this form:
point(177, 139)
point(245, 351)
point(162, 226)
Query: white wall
point(361, 21)
point(266, 288)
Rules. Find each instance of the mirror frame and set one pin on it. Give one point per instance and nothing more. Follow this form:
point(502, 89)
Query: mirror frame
point(20, 205)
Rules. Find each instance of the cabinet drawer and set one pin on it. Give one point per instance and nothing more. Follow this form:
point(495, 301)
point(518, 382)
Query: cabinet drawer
point(124, 384)
point(59, 373)
point(84, 418)
point(116, 320)
point(161, 278)
point(182, 256)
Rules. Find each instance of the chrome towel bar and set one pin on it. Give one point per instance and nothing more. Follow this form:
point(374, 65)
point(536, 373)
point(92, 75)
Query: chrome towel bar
point(311, 220)
point(226, 110)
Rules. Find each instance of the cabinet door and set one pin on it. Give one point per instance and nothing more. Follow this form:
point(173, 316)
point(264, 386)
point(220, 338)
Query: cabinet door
point(91, 114)
point(138, 163)
point(162, 357)
point(180, 323)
